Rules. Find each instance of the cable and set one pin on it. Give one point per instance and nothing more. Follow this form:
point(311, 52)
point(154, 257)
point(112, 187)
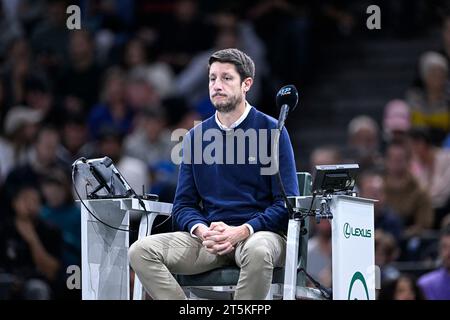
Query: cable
point(275, 153)
point(165, 220)
point(90, 212)
point(312, 202)
point(141, 202)
point(98, 219)
point(325, 292)
point(310, 212)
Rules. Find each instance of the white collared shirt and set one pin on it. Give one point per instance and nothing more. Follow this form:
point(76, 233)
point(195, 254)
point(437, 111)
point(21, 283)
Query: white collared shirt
point(248, 107)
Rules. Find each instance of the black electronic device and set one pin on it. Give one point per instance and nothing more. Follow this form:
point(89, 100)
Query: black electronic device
point(101, 179)
point(339, 178)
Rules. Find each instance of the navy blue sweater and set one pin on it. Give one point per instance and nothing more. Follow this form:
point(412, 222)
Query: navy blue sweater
point(232, 189)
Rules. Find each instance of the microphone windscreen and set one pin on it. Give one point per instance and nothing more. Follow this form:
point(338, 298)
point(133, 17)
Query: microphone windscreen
point(287, 95)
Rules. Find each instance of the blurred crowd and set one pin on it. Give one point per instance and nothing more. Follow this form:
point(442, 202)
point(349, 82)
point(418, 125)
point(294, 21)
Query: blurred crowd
point(405, 165)
point(137, 70)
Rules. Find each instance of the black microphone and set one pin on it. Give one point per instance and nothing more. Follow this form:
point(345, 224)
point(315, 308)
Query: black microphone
point(287, 99)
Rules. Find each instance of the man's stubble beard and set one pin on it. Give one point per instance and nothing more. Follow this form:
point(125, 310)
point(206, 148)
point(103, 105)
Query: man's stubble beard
point(228, 106)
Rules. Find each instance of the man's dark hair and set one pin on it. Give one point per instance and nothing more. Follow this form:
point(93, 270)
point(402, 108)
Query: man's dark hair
point(243, 63)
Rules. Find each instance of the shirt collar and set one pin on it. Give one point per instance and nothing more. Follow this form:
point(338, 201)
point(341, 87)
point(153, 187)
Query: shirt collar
point(248, 107)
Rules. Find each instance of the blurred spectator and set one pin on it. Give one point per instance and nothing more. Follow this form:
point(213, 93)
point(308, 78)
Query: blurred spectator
point(445, 49)
point(436, 284)
point(319, 253)
point(325, 155)
point(446, 143)
point(151, 143)
point(29, 12)
point(445, 221)
point(432, 170)
point(30, 248)
point(403, 191)
point(15, 71)
point(134, 170)
point(371, 186)
point(110, 21)
point(445, 45)
point(158, 73)
point(396, 121)
point(285, 28)
point(178, 40)
point(60, 210)
point(113, 111)
point(39, 96)
point(50, 36)
point(179, 113)
point(407, 18)
point(140, 91)
point(21, 126)
point(74, 138)
point(45, 155)
point(79, 81)
point(229, 19)
point(3, 109)
point(386, 252)
point(10, 28)
point(430, 105)
point(446, 38)
point(364, 142)
point(402, 288)
point(192, 82)
point(42, 160)
point(338, 16)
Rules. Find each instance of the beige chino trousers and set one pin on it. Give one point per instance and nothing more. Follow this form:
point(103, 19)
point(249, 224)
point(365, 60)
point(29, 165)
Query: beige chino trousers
point(156, 257)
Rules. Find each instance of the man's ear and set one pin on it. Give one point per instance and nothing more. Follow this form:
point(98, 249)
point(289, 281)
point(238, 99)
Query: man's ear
point(247, 84)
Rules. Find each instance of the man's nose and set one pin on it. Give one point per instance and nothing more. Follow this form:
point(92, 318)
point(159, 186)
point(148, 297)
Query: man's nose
point(217, 85)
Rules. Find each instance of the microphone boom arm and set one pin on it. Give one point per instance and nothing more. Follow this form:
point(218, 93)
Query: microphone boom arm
point(283, 115)
point(276, 154)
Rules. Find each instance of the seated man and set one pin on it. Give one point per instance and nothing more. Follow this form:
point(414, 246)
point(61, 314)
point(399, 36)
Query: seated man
point(228, 208)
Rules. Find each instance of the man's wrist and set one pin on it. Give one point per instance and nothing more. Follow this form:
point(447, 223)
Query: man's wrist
point(245, 231)
point(197, 230)
point(250, 228)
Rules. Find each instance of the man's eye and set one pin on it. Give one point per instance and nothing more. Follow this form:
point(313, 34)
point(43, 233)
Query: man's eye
point(228, 78)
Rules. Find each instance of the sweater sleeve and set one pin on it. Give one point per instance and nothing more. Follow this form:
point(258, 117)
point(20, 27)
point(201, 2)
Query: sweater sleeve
point(186, 210)
point(275, 217)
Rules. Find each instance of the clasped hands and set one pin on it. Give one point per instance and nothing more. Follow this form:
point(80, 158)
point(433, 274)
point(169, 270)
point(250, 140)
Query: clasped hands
point(221, 238)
